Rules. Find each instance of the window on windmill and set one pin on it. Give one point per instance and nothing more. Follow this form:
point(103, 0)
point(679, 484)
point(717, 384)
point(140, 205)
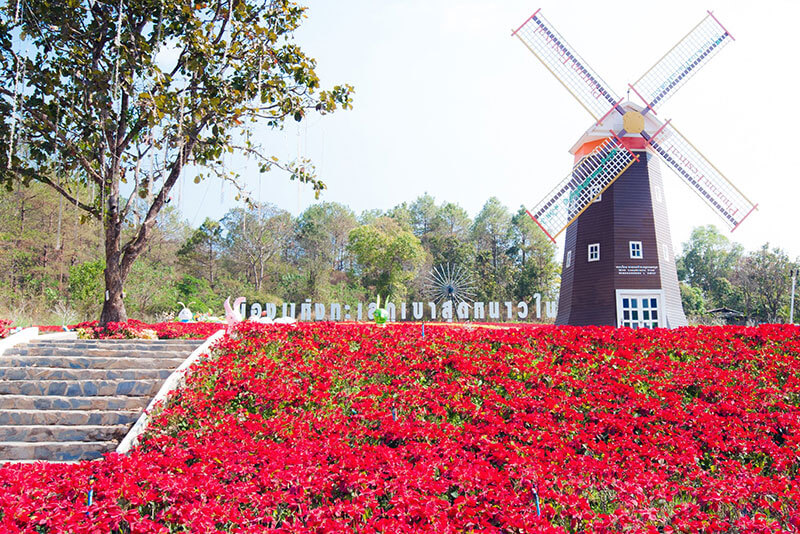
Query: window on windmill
point(568, 262)
point(594, 252)
point(636, 249)
point(596, 191)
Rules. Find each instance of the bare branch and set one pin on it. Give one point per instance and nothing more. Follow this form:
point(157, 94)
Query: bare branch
point(63, 192)
point(70, 146)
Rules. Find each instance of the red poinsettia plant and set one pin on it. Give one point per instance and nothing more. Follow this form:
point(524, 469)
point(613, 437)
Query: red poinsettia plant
point(357, 428)
point(134, 329)
point(5, 329)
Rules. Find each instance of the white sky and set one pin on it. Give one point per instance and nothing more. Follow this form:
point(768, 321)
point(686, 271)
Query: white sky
point(448, 103)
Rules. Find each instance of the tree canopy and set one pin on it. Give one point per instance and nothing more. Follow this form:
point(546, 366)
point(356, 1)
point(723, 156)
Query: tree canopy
point(102, 93)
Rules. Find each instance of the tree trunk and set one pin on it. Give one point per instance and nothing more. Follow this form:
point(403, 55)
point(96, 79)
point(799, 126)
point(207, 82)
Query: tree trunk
point(113, 306)
point(115, 274)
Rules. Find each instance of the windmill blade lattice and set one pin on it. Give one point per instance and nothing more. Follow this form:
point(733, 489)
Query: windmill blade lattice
point(682, 62)
point(447, 282)
point(706, 180)
point(566, 65)
point(589, 178)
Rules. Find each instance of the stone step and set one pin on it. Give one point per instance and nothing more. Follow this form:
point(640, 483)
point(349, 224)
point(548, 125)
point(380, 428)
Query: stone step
point(95, 352)
point(64, 400)
point(59, 373)
point(54, 402)
point(173, 344)
point(94, 362)
point(69, 417)
point(63, 451)
point(80, 388)
point(60, 433)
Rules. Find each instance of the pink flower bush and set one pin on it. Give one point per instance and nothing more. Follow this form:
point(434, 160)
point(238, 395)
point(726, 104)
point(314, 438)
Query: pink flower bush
point(356, 428)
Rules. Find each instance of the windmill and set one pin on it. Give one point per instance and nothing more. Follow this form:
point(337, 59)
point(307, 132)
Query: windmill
point(619, 267)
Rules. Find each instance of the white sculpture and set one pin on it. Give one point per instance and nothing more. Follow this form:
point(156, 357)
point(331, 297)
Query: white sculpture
point(185, 315)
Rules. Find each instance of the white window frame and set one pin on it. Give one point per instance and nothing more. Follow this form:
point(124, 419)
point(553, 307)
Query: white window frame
point(596, 255)
point(632, 246)
point(599, 196)
point(568, 262)
point(665, 252)
point(658, 194)
point(639, 293)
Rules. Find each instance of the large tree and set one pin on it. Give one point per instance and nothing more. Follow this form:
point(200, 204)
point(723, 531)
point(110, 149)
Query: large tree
point(387, 256)
point(116, 92)
point(256, 238)
point(201, 252)
point(707, 262)
point(763, 283)
point(535, 256)
point(492, 230)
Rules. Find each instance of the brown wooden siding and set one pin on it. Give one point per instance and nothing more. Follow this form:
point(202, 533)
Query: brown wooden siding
point(626, 213)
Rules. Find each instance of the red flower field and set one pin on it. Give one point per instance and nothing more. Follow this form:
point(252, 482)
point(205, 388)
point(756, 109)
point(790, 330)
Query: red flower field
point(354, 428)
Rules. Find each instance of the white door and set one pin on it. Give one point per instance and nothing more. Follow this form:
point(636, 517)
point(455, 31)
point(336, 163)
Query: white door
point(639, 308)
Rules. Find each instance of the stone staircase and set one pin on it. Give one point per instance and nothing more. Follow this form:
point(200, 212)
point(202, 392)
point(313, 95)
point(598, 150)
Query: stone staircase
point(67, 400)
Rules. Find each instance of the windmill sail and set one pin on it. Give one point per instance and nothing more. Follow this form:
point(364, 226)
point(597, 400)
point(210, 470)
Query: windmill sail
point(705, 179)
point(566, 65)
point(682, 62)
point(589, 178)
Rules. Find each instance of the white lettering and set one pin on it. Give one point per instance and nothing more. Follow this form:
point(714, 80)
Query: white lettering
point(305, 310)
point(447, 311)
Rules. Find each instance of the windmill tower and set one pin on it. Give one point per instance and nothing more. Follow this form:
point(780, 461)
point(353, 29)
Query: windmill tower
point(619, 266)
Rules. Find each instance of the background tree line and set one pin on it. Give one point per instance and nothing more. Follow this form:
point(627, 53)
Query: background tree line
point(51, 266)
point(715, 273)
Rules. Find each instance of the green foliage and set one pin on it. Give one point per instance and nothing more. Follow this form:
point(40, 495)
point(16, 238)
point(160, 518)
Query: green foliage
point(256, 240)
point(86, 286)
point(197, 294)
point(707, 262)
point(717, 273)
point(763, 284)
point(534, 253)
point(202, 250)
point(387, 256)
point(151, 289)
point(323, 232)
point(694, 305)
